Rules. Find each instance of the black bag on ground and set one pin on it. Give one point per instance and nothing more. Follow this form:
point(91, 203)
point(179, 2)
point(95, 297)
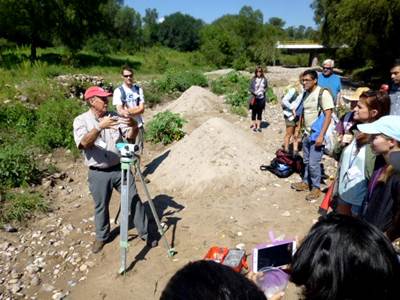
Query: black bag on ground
point(284, 164)
point(281, 170)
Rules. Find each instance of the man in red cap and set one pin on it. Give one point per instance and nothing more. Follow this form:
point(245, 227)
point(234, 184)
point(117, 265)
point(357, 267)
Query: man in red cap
point(96, 133)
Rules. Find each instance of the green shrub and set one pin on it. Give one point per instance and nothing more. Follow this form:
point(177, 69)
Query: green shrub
point(17, 167)
point(236, 88)
point(19, 206)
point(271, 97)
point(174, 80)
point(17, 117)
point(165, 127)
point(55, 118)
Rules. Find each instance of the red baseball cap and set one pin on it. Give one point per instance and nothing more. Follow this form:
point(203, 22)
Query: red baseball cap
point(96, 91)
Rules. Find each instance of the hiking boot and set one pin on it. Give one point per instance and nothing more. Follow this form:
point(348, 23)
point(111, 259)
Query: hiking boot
point(314, 194)
point(300, 186)
point(98, 246)
point(152, 243)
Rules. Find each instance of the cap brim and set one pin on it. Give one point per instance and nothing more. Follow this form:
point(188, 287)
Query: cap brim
point(350, 99)
point(368, 128)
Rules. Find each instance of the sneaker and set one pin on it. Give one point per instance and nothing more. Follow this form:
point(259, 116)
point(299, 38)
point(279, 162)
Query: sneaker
point(259, 129)
point(97, 246)
point(300, 186)
point(313, 195)
point(255, 129)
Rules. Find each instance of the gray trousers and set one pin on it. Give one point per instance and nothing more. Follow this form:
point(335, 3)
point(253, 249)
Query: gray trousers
point(312, 157)
point(140, 139)
point(101, 185)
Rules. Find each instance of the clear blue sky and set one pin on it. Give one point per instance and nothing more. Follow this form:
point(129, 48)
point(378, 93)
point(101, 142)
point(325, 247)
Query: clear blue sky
point(293, 12)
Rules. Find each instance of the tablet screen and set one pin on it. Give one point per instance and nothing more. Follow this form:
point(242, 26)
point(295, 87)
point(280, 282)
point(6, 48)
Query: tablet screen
point(275, 256)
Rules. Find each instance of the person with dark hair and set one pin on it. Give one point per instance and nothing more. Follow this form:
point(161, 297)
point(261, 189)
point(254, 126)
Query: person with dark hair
point(316, 101)
point(206, 279)
point(357, 161)
point(382, 206)
point(258, 88)
point(346, 258)
point(395, 89)
point(129, 101)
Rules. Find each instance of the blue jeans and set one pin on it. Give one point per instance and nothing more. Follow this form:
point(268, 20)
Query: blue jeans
point(312, 162)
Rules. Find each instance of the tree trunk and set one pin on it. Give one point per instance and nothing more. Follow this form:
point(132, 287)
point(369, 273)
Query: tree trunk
point(33, 52)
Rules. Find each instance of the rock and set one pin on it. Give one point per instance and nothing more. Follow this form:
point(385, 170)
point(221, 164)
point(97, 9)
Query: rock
point(4, 246)
point(15, 288)
point(58, 296)
point(47, 287)
point(35, 281)
point(285, 214)
point(83, 268)
point(9, 228)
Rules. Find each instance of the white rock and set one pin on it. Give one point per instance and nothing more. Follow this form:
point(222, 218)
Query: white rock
point(285, 214)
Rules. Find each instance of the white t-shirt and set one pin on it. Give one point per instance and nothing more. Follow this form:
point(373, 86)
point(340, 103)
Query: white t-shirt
point(134, 97)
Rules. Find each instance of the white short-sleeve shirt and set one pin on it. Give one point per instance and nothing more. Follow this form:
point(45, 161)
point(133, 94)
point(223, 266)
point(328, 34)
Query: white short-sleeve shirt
point(134, 97)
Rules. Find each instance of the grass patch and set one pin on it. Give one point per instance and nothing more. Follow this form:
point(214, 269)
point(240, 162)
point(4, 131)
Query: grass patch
point(20, 206)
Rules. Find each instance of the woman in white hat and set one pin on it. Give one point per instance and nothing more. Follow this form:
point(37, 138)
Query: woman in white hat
point(382, 207)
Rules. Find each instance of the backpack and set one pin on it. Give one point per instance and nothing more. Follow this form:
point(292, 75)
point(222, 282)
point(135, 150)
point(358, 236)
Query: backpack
point(330, 137)
point(284, 164)
point(136, 89)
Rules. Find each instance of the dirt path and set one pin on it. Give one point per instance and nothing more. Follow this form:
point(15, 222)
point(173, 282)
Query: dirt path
point(239, 204)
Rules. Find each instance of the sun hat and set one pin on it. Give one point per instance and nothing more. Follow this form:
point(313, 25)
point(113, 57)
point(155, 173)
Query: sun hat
point(96, 91)
point(387, 125)
point(355, 96)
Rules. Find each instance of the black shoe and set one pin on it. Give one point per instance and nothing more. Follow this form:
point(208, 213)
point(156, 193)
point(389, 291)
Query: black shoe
point(152, 243)
point(98, 246)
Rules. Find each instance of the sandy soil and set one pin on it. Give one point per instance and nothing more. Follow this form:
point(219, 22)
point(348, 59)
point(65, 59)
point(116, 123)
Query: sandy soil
point(207, 188)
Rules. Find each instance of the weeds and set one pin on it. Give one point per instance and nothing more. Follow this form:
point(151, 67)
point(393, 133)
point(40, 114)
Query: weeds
point(165, 127)
point(16, 166)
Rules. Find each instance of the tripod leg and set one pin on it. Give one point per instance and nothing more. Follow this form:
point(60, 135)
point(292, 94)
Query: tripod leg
point(125, 181)
point(171, 251)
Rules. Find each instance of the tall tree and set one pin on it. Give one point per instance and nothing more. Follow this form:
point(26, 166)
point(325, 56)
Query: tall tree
point(78, 20)
point(369, 27)
point(150, 28)
point(181, 32)
point(28, 22)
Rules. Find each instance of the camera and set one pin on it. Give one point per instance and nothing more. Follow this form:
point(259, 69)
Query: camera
point(127, 150)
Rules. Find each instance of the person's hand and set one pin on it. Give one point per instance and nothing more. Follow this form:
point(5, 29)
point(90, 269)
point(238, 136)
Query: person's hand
point(319, 141)
point(130, 122)
point(277, 296)
point(124, 112)
point(107, 122)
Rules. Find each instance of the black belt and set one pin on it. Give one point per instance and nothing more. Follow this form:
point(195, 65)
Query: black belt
point(109, 169)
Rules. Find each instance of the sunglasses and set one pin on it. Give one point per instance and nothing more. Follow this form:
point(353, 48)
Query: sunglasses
point(128, 75)
point(327, 68)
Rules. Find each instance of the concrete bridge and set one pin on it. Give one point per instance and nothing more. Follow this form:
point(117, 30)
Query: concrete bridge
point(304, 47)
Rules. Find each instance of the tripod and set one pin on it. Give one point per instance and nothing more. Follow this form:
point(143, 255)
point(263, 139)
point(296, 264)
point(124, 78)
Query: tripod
point(129, 158)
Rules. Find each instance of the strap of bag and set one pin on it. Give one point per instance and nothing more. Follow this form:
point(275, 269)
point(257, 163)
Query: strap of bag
point(123, 95)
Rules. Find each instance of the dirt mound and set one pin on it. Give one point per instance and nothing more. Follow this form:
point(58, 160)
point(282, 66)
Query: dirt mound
point(196, 100)
point(216, 157)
